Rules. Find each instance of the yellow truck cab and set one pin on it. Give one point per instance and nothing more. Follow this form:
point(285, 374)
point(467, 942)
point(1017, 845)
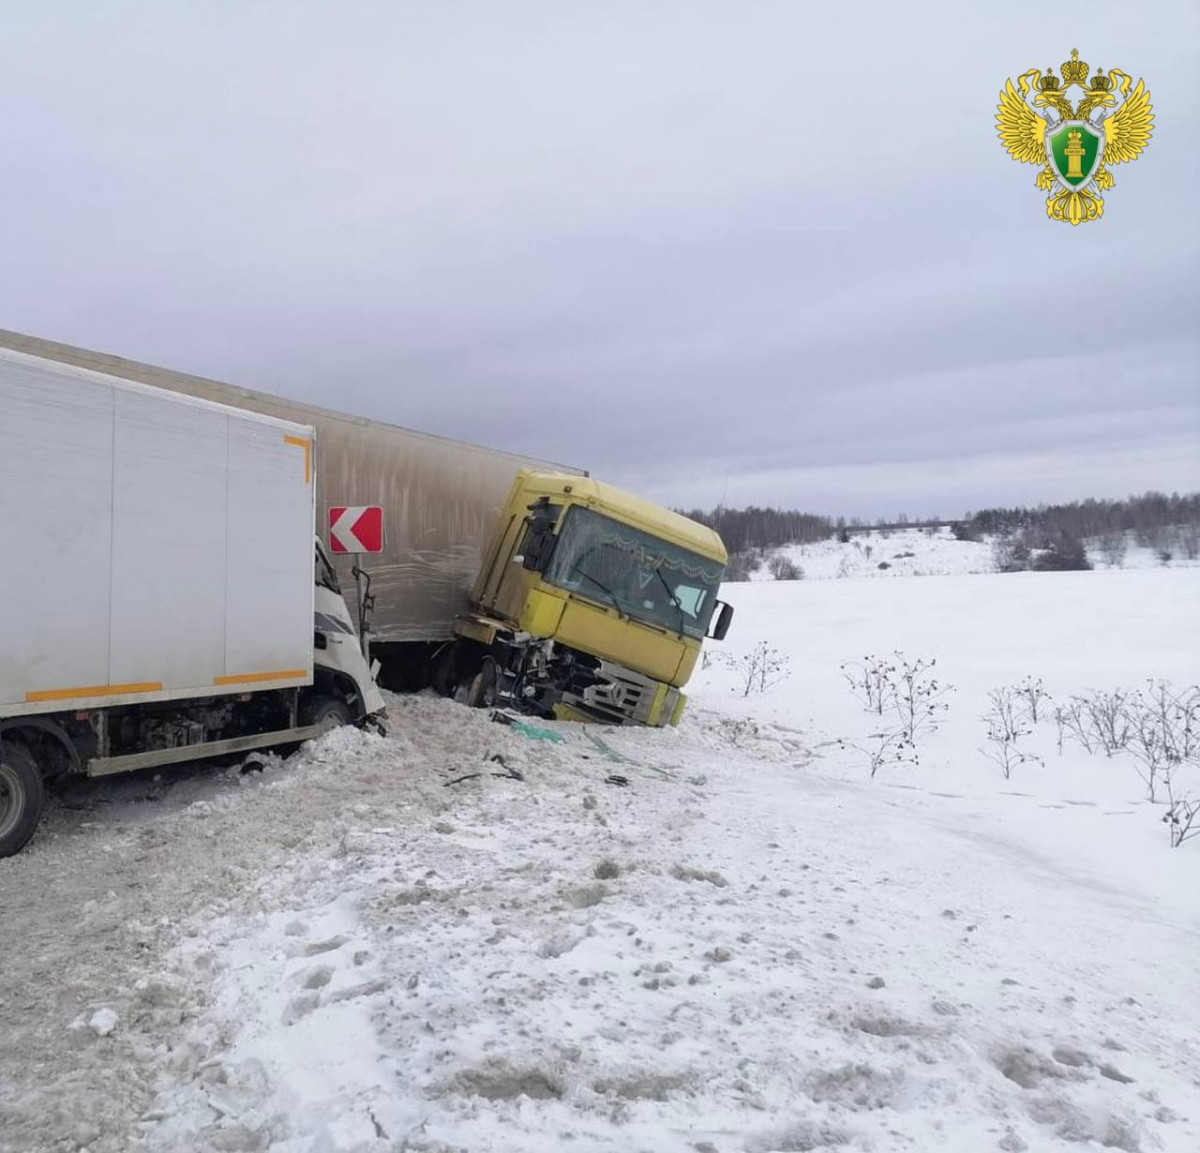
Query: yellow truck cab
point(591, 604)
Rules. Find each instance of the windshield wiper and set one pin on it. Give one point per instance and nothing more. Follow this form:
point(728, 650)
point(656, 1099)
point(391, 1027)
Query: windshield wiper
point(604, 589)
point(674, 598)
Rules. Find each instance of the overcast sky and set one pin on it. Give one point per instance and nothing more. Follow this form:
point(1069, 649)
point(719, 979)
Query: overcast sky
point(745, 252)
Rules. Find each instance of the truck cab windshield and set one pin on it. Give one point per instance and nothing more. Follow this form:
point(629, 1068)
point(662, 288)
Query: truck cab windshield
point(642, 576)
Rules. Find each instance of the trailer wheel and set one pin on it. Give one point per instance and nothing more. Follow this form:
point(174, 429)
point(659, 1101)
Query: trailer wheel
point(21, 797)
point(329, 712)
point(484, 685)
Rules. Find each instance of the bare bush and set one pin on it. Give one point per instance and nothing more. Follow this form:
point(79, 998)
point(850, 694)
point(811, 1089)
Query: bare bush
point(738, 730)
point(761, 668)
point(909, 688)
point(886, 748)
point(1073, 724)
point(1158, 728)
point(901, 686)
point(1188, 538)
point(1007, 724)
point(783, 568)
point(1150, 755)
point(1178, 715)
point(1033, 696)
point(1179, 818)
point(1163, 734)
point(872, 682)
point(1108, 718)
point(920, 698)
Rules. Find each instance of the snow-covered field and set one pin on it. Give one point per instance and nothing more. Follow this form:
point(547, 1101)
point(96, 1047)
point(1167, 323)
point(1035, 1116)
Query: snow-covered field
point(921, 552)
point(751, 946)
point(902, 552)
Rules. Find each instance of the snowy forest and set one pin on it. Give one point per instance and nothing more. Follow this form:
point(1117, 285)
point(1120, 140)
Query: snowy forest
point(1147, 516)
point(1048, 536)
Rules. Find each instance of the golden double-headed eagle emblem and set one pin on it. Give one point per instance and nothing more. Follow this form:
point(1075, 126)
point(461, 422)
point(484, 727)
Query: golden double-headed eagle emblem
point(1074, 144)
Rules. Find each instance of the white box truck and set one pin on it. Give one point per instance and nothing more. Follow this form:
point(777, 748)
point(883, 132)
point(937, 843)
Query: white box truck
point(163, 596)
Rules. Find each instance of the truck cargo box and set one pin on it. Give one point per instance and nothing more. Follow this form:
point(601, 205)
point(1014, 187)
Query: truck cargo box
point(156, 546)
point(440, 496)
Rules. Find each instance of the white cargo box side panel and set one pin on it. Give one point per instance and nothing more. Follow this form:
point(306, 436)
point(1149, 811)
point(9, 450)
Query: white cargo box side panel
point(56, 454)
point(269, 564)
point(165, 543)
point(168, 557)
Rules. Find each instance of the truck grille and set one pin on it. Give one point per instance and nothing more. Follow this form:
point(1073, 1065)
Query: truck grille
point(624, 697)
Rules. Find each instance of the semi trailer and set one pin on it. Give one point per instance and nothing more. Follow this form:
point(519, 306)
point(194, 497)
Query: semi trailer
point(163, 596)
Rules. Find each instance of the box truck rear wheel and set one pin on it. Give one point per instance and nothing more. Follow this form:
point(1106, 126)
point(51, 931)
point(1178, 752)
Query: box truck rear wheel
point(21, 797)
point(328, 712)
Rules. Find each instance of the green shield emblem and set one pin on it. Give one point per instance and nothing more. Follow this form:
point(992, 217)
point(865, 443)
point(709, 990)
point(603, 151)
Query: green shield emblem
point(1074, 151)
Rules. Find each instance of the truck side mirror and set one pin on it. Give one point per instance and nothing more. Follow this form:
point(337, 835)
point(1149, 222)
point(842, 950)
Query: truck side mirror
point(538, 546)
point(533, 554)
point(724, 619)
point(539, 535)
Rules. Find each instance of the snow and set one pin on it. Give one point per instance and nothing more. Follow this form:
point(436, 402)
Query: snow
point(751, 947)
point(904, 552)
point(103, 1022)
point(1074, 631)
point(931, 552)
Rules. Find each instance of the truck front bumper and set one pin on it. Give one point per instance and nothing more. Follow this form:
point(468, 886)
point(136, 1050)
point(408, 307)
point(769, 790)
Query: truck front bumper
point(621, 696)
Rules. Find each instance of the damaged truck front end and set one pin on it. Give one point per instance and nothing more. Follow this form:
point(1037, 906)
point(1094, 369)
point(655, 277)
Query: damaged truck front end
point(591, 605)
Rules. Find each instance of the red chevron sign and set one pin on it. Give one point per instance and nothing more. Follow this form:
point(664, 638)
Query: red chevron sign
point(356, 529)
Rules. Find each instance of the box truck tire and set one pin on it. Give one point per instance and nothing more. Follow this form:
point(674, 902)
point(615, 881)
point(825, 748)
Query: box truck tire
point(329, 712)
point(21, 797)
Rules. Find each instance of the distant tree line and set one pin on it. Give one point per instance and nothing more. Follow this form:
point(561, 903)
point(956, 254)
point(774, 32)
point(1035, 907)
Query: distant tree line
point(1147, 516)
point(754, 529)
point(1054, 536)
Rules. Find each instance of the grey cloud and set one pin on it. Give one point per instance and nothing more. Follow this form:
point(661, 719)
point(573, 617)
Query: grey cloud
point(667, 242)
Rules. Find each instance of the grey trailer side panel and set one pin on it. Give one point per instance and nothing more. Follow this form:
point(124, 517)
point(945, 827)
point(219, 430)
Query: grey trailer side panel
point(440, 496)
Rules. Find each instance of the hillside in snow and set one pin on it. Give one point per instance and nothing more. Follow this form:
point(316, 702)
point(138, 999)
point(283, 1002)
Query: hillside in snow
point(930, 552)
